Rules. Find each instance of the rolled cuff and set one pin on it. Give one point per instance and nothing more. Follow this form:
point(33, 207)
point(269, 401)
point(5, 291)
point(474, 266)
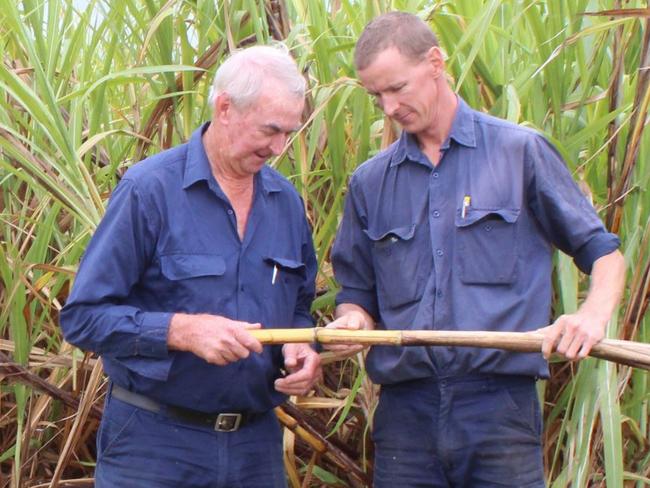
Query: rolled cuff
point(597, 247)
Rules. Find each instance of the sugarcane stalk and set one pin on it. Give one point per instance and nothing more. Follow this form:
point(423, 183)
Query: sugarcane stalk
point(629, 353)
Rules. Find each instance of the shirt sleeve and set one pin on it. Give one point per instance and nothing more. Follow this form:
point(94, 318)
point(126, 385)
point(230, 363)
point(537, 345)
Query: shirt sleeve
point(352, 257)
point(97, 315)
point(563, 211)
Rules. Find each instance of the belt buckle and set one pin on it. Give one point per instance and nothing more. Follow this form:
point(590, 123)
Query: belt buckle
point(227, 422)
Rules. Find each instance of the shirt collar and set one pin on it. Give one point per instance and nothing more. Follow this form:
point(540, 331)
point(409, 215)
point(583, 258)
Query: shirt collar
point(462, 131)
point(197, 166)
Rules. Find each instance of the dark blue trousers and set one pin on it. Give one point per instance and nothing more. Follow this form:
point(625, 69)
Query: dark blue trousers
point(472, 431)
point(141, 449)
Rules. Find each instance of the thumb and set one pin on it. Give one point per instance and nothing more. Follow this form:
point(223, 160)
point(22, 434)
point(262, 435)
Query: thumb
point(248, 325)
point(290, 359)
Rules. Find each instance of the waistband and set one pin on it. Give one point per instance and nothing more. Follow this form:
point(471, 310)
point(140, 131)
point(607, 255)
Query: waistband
point(464, 381)
point(219, 421)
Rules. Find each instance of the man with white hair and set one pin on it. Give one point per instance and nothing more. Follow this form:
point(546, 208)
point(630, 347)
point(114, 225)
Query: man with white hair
point(200, 244)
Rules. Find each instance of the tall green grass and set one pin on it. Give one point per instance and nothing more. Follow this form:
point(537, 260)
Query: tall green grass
point(85, 93)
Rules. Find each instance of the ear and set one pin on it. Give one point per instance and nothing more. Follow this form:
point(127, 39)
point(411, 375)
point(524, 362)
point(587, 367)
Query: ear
point(222, 108)
point(436, 60)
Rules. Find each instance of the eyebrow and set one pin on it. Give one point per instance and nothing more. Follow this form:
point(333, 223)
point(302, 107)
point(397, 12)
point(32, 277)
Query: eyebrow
point(277, 128)
point(394, 86)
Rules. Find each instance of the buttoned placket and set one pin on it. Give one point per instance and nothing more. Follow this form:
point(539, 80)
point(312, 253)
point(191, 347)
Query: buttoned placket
point(439, 219)
point(256, 215)
point(253, 219)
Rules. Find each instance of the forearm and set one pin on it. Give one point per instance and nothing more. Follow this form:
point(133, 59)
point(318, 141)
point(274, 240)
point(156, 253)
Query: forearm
point(573, 335)
point(606, 288)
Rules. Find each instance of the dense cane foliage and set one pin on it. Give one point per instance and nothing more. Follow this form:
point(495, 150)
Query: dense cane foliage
point(88, 88)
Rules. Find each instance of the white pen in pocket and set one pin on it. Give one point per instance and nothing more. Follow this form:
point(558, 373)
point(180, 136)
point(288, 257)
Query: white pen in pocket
point(466, 203)
point(275, 274)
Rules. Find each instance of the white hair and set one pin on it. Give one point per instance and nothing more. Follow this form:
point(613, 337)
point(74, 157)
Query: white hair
point(245, 71)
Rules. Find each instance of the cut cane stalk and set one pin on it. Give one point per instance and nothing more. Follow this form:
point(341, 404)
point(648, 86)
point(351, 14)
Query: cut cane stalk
point(629, 353)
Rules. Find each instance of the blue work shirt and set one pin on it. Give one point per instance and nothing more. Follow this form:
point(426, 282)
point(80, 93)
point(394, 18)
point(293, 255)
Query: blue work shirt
point(168, 243)
point(464, 245)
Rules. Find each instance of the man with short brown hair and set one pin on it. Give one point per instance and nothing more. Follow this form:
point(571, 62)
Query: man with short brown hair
point(452, 227)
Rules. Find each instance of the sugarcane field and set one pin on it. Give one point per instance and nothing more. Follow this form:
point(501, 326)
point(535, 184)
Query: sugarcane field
point(324, 243)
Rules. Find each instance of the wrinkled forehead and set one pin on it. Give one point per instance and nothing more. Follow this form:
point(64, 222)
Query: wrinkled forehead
point(280, 111)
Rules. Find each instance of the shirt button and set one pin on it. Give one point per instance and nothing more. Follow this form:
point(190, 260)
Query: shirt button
point(230, 211)
point(488, 227)
point(436, 214)
point(435, 175)
point(439, 252)
point(439, 293)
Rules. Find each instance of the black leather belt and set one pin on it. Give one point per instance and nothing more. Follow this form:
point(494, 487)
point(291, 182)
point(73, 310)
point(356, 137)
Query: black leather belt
point(221, 422)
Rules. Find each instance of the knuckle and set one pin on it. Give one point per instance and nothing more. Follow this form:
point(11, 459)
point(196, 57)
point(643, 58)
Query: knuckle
point(572, 326)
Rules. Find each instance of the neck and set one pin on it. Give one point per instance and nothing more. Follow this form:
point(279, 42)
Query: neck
point(222, 169)
point(439, 130)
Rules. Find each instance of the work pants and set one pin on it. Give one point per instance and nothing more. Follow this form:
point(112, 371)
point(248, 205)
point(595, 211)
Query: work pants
point(470, 431)
point(137, 448)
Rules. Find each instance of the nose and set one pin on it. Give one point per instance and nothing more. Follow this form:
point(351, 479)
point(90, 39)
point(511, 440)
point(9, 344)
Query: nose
point(389, 104)
point(278, 142)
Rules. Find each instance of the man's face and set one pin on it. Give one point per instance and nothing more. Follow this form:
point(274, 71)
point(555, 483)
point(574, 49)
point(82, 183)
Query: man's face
point(259, 131)
point(405, 89)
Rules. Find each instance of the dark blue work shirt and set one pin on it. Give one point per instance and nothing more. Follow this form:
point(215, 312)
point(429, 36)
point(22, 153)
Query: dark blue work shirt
point(464, 245)
point(168, 243)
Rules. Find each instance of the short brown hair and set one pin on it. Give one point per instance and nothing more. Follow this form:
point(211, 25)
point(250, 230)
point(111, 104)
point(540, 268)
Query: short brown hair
point(411, 36)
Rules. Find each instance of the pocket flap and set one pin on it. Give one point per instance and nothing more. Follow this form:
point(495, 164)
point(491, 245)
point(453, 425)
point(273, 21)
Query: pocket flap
point(184, 266)
point(290, 264)
point(404, 233)
point(473, 215)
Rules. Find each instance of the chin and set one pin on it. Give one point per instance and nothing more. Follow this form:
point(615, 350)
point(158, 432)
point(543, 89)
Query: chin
point(256, 166)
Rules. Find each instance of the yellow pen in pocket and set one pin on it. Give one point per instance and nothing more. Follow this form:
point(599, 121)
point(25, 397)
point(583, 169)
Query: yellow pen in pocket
point(466, 202)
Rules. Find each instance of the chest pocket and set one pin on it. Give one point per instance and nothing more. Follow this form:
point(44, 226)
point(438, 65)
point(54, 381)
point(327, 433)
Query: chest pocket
point(186, 266)
point(193, 283)
point(283, 277)
point(486, 244)
point(399, 269)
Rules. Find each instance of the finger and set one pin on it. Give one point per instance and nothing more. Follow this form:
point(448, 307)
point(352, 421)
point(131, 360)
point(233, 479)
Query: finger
point(580, 339)
point(349, 325)
point(236, 345)
point(247, 341)
point(292, 387)
point(228, 356)
point(308, 373)
point(292, 390)
point(344, 354)
point(567, 339)
point(576, 344)
point(551, 336)
point(586, 348)
point(296, 377)
point(216, 358)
